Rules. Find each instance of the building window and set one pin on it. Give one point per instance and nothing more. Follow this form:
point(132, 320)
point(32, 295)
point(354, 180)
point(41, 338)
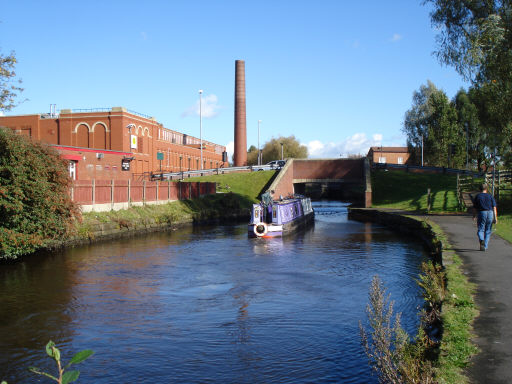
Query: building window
point(72, 170)
point(382, 160)
point(400, 160)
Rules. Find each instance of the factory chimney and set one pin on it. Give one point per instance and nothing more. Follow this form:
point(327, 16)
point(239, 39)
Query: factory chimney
point(240, 154)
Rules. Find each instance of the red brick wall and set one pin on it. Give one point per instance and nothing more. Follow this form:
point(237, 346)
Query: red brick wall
point(348, 169)
point(107, 131)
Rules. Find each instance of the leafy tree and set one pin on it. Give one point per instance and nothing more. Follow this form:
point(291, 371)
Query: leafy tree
point(291, 149)
point(8, 90)
point(35, 205)
point(433, 121)
point(469, 123)
point(476, 38)
point(252, 155)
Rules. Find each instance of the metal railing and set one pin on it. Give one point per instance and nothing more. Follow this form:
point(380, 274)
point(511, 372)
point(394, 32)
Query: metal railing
point(207, 172)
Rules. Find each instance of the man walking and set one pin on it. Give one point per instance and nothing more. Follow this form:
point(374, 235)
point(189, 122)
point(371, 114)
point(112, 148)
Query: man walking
point(485, 207)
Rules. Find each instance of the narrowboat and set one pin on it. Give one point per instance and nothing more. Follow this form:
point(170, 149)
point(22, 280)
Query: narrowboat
point(274, 218)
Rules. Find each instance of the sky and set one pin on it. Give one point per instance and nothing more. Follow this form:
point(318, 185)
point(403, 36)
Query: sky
point(338, 75)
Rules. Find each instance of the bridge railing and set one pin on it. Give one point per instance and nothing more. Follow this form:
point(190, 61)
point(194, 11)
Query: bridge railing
point(212, 171)
point(419, 168)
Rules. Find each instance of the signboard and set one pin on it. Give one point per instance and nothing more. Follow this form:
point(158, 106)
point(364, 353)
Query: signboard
point(159, 156)
point(125, 165)
point(133, 142)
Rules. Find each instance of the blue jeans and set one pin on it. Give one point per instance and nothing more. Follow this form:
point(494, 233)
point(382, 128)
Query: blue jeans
point(484, 225)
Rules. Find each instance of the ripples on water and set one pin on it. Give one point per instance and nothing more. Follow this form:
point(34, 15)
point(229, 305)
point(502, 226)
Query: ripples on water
point(209, 305)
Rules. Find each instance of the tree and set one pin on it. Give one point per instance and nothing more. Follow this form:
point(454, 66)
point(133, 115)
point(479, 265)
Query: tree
point(291, 149)
point(432, 120)
point(8, 90)
point(476, 38)
point(35, 204)
point(252, 155)
point(469, 123)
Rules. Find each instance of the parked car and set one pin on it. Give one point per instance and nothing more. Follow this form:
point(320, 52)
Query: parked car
point(277, 164)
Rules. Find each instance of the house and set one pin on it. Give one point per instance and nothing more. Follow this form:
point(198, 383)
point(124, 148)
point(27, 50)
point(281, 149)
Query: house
point(388, 155)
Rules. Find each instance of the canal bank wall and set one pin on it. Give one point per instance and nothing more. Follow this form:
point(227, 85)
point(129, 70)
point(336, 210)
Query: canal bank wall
point(224, 209)
point(407, 223)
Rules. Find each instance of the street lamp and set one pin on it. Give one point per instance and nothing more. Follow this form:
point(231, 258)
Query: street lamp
point(201, 124)
point(259, 155)
point(282, 152)
point(467, 146)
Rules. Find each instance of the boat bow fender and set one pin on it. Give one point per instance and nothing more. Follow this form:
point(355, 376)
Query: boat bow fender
point(260, 229)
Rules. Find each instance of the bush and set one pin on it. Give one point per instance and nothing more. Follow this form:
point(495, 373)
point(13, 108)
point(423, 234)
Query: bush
point(35, 205)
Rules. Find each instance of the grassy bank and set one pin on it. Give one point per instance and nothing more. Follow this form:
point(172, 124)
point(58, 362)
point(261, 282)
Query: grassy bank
point(408, 191)
point(248, 185)
point(504, 226)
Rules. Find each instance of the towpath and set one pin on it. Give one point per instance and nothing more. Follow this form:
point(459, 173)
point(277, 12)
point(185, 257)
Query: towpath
point(491, 271)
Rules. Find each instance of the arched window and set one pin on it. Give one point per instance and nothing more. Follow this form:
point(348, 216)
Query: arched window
point(82, 136)
point(100, 136)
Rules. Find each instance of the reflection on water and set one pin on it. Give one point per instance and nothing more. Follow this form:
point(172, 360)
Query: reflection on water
point(208, 304)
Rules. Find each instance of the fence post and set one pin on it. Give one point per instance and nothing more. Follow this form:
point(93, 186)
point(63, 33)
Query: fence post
point(93, 193)
point(429, 202)
point(73, 191)
point(129, 192)
point(144, 192)
point(157, 190)
point(112, 194)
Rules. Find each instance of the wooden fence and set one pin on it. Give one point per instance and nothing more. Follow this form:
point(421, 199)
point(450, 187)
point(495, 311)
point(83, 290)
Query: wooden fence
point(106, 195)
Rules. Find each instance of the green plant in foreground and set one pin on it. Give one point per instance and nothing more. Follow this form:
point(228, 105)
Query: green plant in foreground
point(392, 355)
point(63, 377)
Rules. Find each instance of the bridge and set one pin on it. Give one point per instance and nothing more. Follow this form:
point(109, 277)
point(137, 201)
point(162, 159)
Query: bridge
point(347, 179)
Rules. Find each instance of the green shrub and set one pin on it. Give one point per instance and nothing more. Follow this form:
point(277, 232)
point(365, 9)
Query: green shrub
point(35, 205)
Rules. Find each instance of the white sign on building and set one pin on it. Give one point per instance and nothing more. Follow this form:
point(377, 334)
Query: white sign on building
point(133, 141)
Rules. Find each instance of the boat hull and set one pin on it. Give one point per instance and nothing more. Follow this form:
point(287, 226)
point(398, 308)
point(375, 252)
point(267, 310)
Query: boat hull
point(285, 229)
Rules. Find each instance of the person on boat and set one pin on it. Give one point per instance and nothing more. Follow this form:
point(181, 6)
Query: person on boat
point(486, 212)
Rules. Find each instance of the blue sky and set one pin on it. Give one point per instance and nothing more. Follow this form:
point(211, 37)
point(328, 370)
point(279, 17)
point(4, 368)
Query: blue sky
point(338, 75)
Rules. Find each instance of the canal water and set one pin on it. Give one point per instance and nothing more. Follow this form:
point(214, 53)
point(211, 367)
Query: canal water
point(209, 305)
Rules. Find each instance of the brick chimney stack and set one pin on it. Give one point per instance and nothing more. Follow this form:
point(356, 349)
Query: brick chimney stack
point(240, 154)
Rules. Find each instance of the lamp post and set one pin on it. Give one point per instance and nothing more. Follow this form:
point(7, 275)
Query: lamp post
point(422, 150)
point(467, 146)
point(282, 152)
point(259, 154)
point(201, 124)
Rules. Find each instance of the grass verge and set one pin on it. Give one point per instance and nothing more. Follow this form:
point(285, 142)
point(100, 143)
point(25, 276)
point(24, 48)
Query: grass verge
point(408, 191)
point(458, 313)
point(504, 226)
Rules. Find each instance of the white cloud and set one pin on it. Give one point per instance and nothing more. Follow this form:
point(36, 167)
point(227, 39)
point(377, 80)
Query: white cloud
point(396, 37)
point(230, 149)
point(209, 107)
point(1, 113)
point(356, 144)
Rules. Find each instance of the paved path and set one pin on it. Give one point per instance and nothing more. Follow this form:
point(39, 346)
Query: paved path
point(492, 272)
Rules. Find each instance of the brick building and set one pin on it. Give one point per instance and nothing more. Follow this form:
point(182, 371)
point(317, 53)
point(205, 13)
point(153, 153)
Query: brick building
point(115, 143)
point(389, 155)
